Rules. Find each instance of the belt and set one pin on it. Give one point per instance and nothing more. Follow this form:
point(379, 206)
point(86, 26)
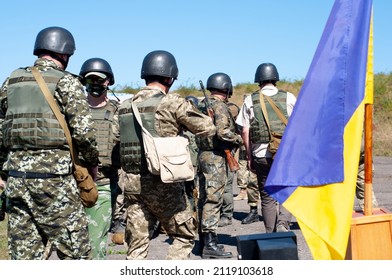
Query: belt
point(31, 175)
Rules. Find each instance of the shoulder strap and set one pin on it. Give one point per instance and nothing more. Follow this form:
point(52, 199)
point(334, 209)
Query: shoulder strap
point(264, 109)
point(137, 115)
point(276, 109)
point(54, 106)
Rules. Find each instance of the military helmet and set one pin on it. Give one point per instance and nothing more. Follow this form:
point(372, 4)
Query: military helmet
point(159, 63)
point(97, 65)
point(220, 81)
point(192, 99)
point(266, 72)
point(54, 39)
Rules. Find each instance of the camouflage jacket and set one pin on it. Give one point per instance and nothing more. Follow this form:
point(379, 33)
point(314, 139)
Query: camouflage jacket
point(226, 132)
point(175, 112)
point(72, 102)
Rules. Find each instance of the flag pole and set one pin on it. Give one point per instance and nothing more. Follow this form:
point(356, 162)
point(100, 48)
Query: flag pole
point(368, 123)
point(368, 159)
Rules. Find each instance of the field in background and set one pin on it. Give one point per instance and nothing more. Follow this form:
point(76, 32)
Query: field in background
point(382, 121)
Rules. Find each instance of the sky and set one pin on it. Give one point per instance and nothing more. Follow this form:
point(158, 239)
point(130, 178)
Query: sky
point(205, 36)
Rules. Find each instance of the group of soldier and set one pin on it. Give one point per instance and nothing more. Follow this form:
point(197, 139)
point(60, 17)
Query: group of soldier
point(42, 198)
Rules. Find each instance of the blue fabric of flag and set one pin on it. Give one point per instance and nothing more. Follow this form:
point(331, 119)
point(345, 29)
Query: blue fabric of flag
point(311, 151)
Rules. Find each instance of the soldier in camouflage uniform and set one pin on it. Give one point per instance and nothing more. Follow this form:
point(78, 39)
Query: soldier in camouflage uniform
point(213, 165)
point(43, 198)
point(247, 183)
point(97, 76)
point(227, 209)
point(147, 198)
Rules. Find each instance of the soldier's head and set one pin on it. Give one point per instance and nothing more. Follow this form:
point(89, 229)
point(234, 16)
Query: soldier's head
point(266, 73)
point(159, 66)
point(55, 42)
point(193, 100)
point(220, 82)
point(96, 75)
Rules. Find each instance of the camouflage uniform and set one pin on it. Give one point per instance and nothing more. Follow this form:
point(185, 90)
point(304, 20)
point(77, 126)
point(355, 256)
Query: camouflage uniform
point(227, 208)
point(228, 202)
point(192, 187)
point(147, 198)
point(360, 186)
point(247, 180)
point(42, 210)
point(100, 215)
point(213, 166)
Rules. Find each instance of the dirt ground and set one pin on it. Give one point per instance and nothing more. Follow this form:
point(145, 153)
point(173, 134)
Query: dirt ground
point(227, 235)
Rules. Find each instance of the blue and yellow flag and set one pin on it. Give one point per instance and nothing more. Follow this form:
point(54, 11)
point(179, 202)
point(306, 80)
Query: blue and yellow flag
point(315, 170)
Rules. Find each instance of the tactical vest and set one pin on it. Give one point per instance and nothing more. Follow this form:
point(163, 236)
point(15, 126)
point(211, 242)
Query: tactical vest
point(258, 126)
point(29, 122)
point(103, 121)
point(131, 150)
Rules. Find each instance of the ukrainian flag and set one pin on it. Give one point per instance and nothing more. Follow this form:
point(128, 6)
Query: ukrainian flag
point(315, 170)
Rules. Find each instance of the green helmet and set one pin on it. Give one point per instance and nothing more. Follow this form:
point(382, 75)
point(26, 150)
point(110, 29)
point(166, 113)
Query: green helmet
point(159, 63)
point(266, 72)
point(54, 39)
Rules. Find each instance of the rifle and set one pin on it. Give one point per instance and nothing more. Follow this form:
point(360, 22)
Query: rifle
point(231, 161)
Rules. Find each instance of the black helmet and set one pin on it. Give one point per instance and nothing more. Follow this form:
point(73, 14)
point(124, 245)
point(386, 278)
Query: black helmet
point(159, 63)
point(97, 65)
point(193, 99)
point(220, 81)
point(54, 39)
point(266, 72)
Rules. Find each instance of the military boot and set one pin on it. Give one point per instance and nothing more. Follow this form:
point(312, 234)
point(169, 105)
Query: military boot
point(212, 250)
point(252, 217)
point(201, 243)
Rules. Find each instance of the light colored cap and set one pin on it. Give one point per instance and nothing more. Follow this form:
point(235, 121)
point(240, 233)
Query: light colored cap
point(98, 74)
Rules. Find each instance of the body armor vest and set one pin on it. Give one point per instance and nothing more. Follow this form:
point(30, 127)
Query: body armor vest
point(30, 122)
point(131, 150)
point(258, 126)
point(103, 121)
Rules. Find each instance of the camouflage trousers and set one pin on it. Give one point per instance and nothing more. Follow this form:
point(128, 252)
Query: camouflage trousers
point(147, 200)
point(100, 217)
point(228, 203)
point(119, 214)
point(42, 211)
point(248, 180)
point(360, 186)
point(212, 180)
